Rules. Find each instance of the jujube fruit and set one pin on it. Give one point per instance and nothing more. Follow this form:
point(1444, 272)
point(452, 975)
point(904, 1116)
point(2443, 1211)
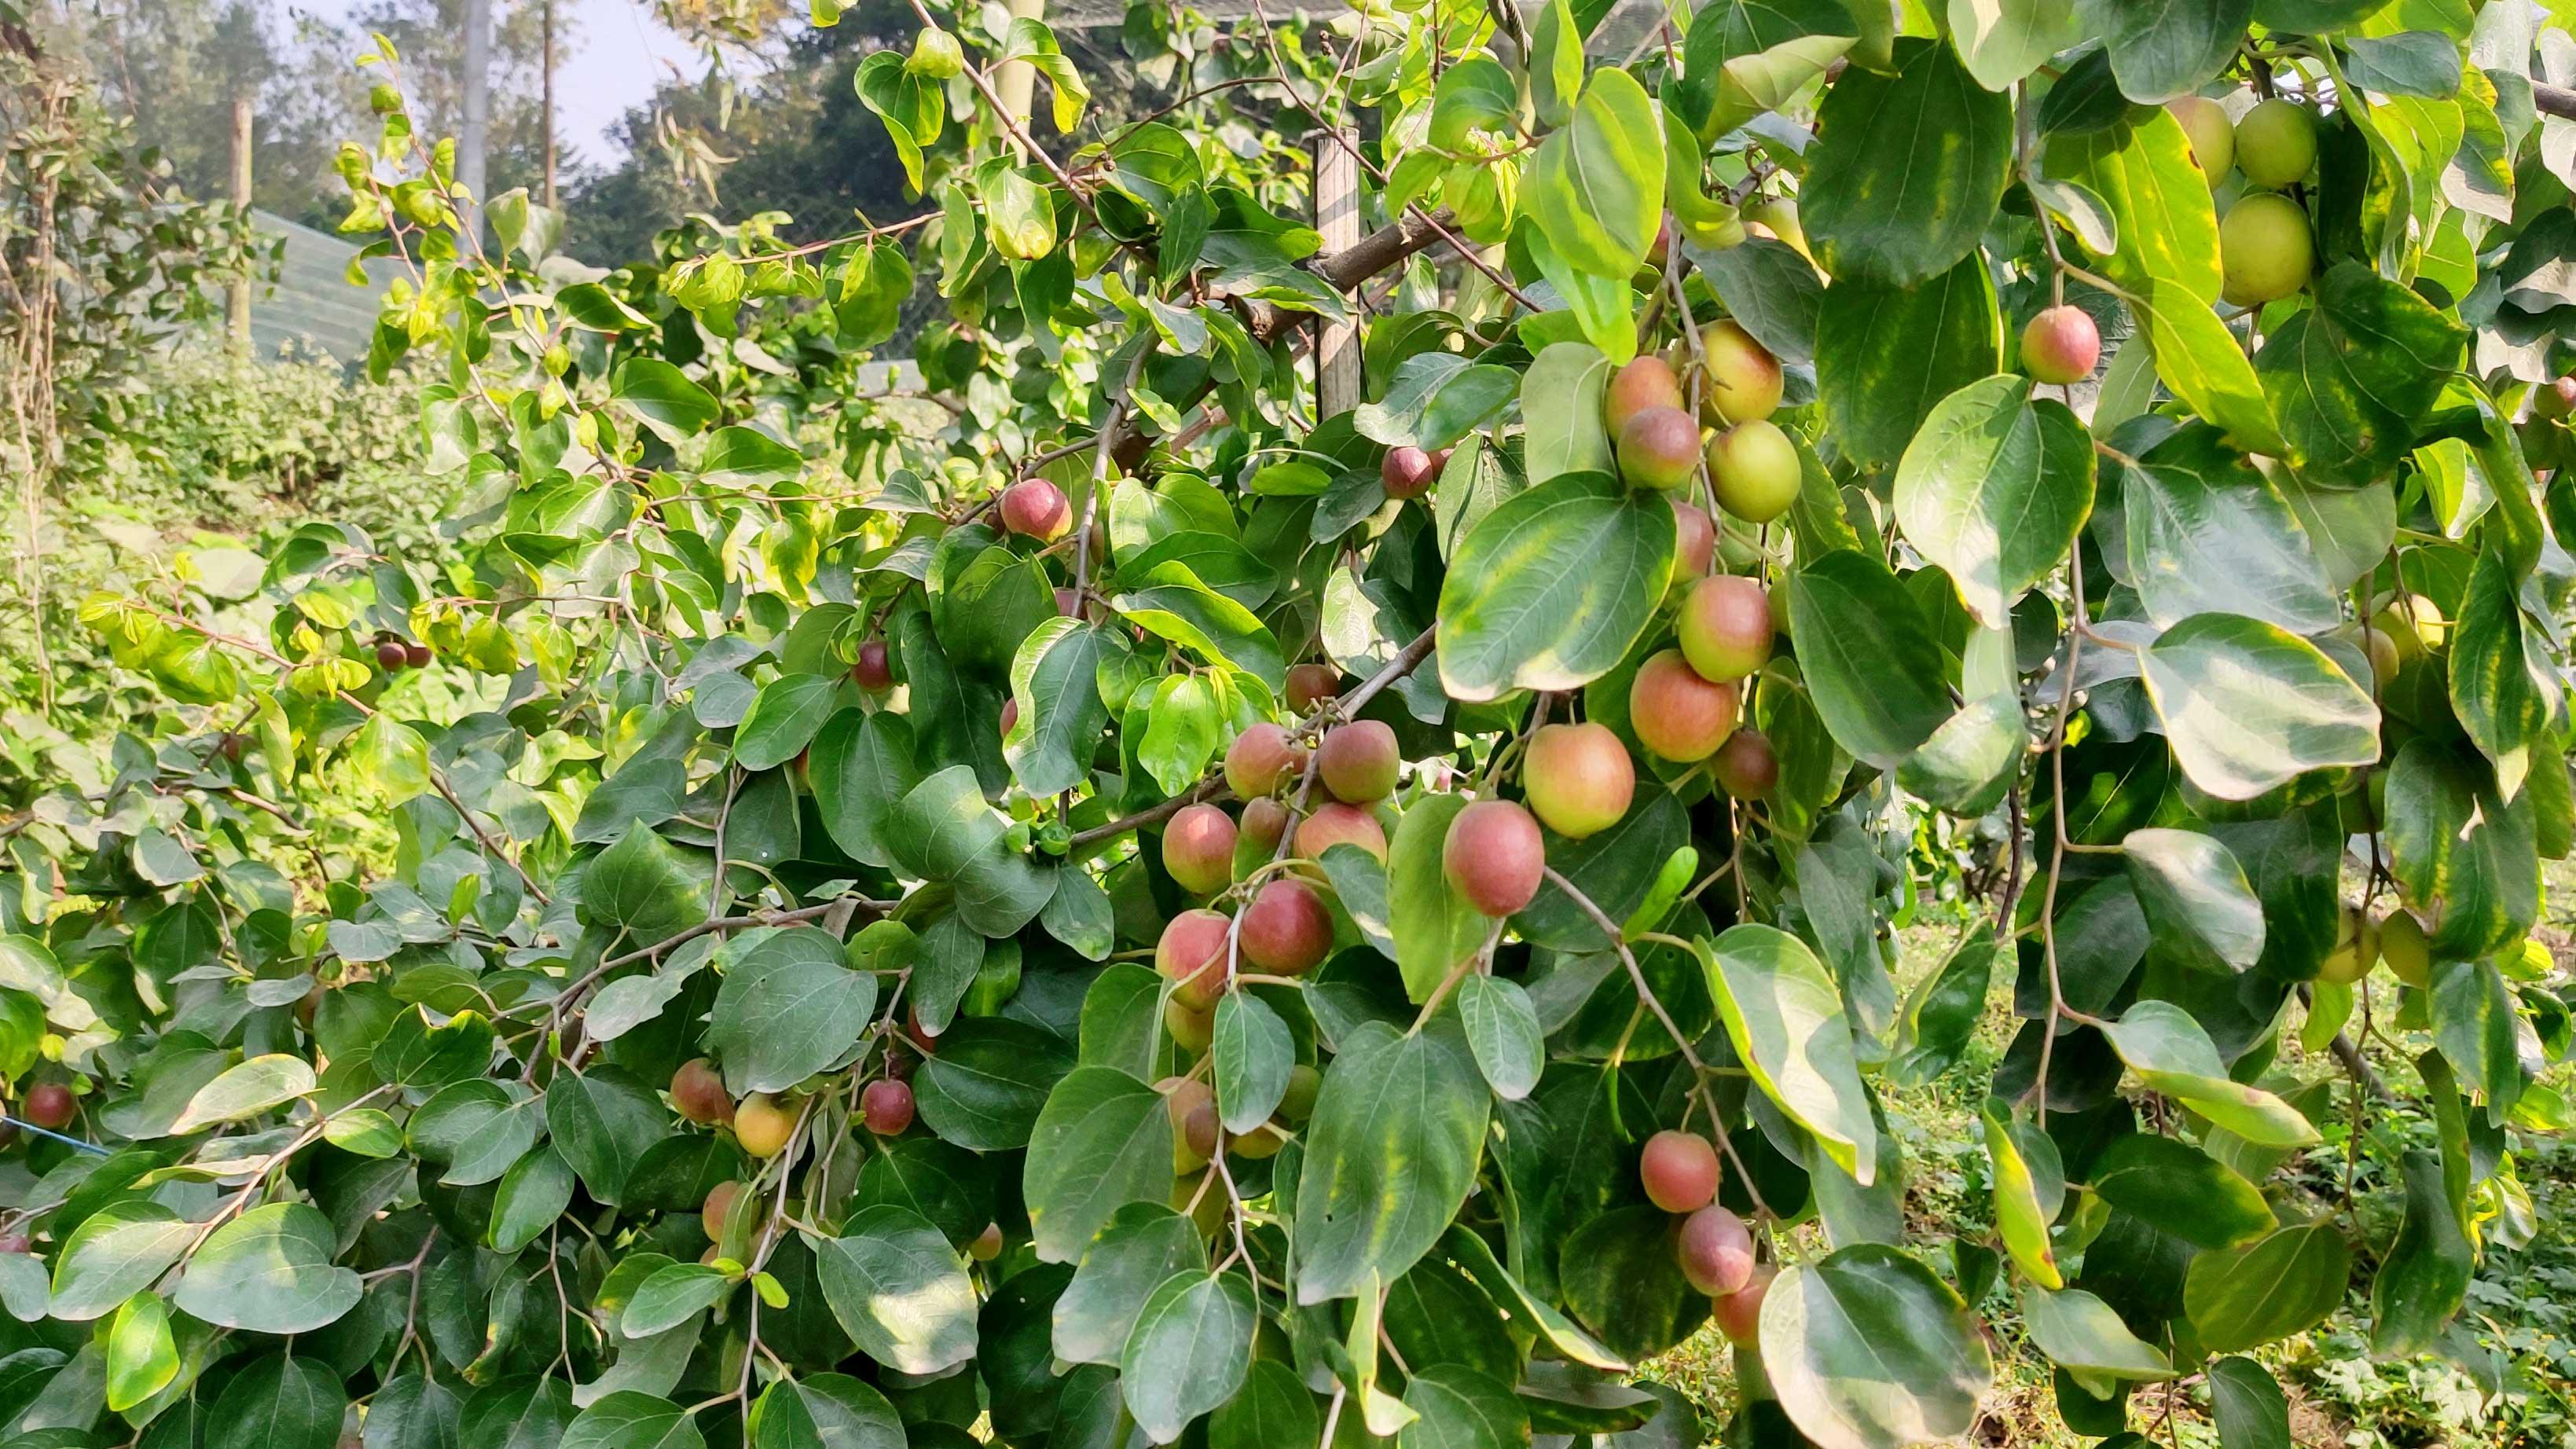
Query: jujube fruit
point(1358, 761)
point(1742, 380)
point(1311, 684)
point(716, 1208)
point(2264, 249)
point(1657, 448)
point(873, 670)
point(2554, 399)
point(1036, 508)
point(1725, 627)
point(1739, 1314)
point(698, 1094)
point(1678, 1171)
point(1261, 759)
point(1192, 1107)
point(1716, 1251)
point(1577, 778)
point(1198, 849)
point(2211, 134)
point(762, 1126)
point(1191, 952)
point(1406, 471)
point(1753, 469)
point(1192, 1027)
point(1297, 1103)
point(987, 1245)
point(2060, 344)
point(2356, 948)
point(391, 656)
point(1494, 856)
point(1286, 929)
point(1334, 824)
point(886, 1107)
point(1677, 714)
point(1642, 383)
point(416, 655)
point(2403, 946)
point(2276, 143)
point(1746, 766)
point(1695, 541)
point(1010, 716)
point(1264, 821)
point(50, 1105)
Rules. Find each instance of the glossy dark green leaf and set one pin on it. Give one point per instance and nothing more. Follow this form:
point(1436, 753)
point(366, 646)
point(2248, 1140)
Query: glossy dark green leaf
point(269, 1271)
point(2199, 909)
point(2283, 1283)
point(1870, 1350)
point(1272, 1407)
point(1885, 355)
point(1850, 615)
point(1391, 1152)
point(2182, 1190)
point(1456, 1407)
point(2248, 707)
point(2247, 1405)
point(1993, 489)
point(1102, 1141)
point(1784, 1015)
point(1143, 1245)
point(1623, 1280)
point(629, 1420)
point(1553, 586)
point(2425, 1277)
point(824, 1411)
point(2162, 51)
point(662, 397)
point(2452, 839)
point(2504, 688)
point(2208, 534)
point(1907, 168)
point(790, 1006)
point(1188, 1352)
point(899, 1290)
point(2352, 377)
point(280, 1401)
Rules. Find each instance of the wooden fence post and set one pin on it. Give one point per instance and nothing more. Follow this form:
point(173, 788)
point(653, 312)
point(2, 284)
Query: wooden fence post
point(237, 294)
point(1338, 380)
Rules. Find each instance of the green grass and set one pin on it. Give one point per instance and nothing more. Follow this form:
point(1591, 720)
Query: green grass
point(2509, 1382)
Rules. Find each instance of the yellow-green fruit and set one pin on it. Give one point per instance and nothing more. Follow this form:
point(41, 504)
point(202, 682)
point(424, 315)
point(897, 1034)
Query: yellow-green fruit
point(1780, 214)
point(2356, 948)
point(2403, 947)
point(2276, 143)
point(2264, 250)
point(1753, 468)
point(2212, 136)
point(2413, 623)
point(1742, 381)
point(762, 1125)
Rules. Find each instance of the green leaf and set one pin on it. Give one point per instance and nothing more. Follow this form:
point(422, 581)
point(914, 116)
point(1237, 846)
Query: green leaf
point(1103, 1140)
point(476, 1129)
point(1869, 1350)
point(1993, 489)
point(2167, 50)
point(1168, 600)
point(2453, 839)
point(1561, 411)
point(392, 757)
point(2199, 360)
point(1556, 63)
point(1144, 1244)
point(142, 1358)
point(1019, 215)
point(1784, 1015)
point(833, 1411)
point(741, 457)
point(2081, 1333)
point(2171, 1053)
point(1391, 1152)
point(2030, 1189)
point(1252, 1052)
point(783, 720)
point(247, 1090)
point(2475, 1027)
point(2504, 688)
point(860, 765)
point(1434, 927)
point(2248, 707)
point(1850, 616)
point(115, 1252)
point(2247, 1404)
point(1885, 355)
point(2207, 533)
point(269, 1271)
point(2352, 377)
point(1940, 1015)
point(629, 1420)
point(988, 1085)
point(1769, 289)
point(2181, 1190)
point(532, 1196)
point(2200, 910)
point(1435, 399)
point(1552, 588)
point(1272, 1407)
point(641, 886)
point(1907, 168)
point(1596, 188)
point(2283, 1283)
point(602, 1121)
point(662, 397)
point(1622, 1278)
point(1188, 1352)
point(1503, 1031)
point(2002, 41)
point(944, 830)
point(1056, 680)
point(899, 1290)
point(789, 1008)
point(673, 1295)
point(280, 1401)
point(1457, 1407)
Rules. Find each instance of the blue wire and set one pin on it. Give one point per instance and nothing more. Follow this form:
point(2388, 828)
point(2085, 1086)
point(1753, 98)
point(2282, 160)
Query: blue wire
point(26, 1126)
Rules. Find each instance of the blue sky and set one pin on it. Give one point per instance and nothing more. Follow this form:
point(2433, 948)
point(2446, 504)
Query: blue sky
point(622, 50)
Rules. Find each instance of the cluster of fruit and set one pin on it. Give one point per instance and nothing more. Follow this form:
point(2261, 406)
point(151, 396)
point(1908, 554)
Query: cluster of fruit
point(2265, 249)
point(1715, 1249)
point(1753, 468)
